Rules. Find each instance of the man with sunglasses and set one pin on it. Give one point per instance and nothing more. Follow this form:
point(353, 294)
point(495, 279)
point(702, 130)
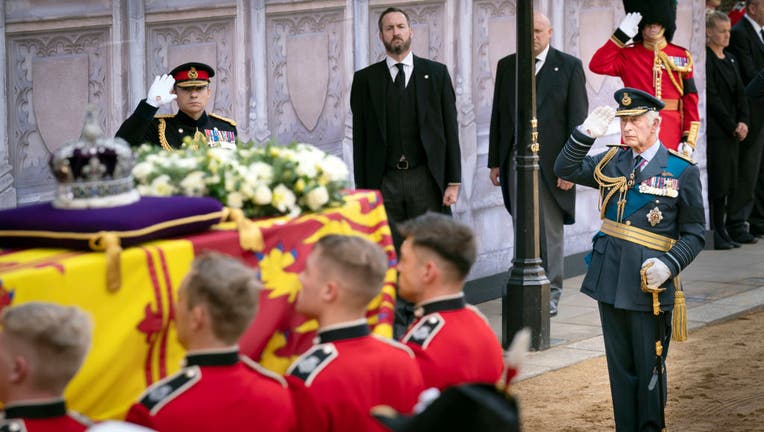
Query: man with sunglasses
point(189, 86)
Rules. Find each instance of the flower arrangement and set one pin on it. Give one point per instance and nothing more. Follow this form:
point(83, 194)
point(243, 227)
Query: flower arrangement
point(262, 180)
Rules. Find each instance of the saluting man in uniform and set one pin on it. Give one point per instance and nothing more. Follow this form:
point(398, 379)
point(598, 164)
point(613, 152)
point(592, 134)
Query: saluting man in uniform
point(654, 65)
point(654, 222)
point(436, 257)
point(336, 382)
point(188, 85)
point(42, 345)
point(217, 389)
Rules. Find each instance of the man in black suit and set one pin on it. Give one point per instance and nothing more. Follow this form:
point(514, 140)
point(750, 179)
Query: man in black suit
point(747, 199)
point(405, 133)
point(561, 105)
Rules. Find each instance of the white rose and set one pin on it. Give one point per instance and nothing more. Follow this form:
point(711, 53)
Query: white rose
point(316, 198)
point(142, 170)
point(283, 198)
point(234, 200)
point(260, 171)
point(162, 186)
point(334, 168)
point(262, 195)
point(193, 184)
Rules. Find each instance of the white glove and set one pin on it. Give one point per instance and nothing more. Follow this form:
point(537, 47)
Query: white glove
point(657, 274)
point(598, 120)
point(160, 92)
point(630, 24)
point(685, 149)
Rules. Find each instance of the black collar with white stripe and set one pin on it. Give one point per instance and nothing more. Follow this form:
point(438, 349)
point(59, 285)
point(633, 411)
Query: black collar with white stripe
point(440, 305)
point(55, 408)
point(344, 332)
point(226, 357)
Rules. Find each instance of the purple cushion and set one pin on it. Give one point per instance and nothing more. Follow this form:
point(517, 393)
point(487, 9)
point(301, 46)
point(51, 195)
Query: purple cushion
point(149, 218)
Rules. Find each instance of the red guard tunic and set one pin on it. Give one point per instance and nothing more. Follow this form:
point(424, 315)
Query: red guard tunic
point(216, 392)
point(50, 416)
point(337, 382)
point(454, 344)
point(666, 74)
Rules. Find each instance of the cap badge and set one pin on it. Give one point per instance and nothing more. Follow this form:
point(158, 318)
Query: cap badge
point(193, 74)
point(626, 100)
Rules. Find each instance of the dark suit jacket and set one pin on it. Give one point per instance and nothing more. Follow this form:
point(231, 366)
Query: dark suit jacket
point(725, 96)
point(561, 105)
point(747, 48)
point(436, 110)
point(613, 273)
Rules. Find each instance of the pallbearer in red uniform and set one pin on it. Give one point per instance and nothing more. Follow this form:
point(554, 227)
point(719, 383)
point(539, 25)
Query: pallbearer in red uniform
point(42, 345)
point(337, 381)
point(452, 341)
point(217, 390)
point(654, 65)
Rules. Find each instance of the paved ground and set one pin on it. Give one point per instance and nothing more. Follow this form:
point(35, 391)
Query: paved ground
point(718, 285)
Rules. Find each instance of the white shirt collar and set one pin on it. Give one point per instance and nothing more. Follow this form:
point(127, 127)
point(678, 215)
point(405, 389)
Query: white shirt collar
point(648, 154)
point(541, 58)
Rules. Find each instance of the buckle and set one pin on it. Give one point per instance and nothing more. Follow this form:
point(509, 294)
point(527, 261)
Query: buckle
point(402, 165)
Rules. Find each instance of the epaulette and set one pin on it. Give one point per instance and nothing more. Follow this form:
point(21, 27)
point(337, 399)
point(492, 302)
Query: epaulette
point(257, 367)
point(683, 156)
point(80, 418)
point(163, 116)
point(477, 312)
point(13, 425)
point(225, 119)
point(310, 364)
point(394, 343)
point(425, 330)
point(161, 392)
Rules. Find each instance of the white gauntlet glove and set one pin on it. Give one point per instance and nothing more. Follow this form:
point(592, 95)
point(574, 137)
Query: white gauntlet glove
point(658, 273)
point(630, 24)
point(160, 92)
point(598, 120)
point(685, 149)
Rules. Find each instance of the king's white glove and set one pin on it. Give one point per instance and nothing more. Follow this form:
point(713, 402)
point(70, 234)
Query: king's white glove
point(630, 24)
point(685, 149)
point(597, 121)
point(657, 274)
point(160, 92)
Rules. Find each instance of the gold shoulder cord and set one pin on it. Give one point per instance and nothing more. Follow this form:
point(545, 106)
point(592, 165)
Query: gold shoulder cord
point(662, 58)
point(162, 137)
point(615, 184)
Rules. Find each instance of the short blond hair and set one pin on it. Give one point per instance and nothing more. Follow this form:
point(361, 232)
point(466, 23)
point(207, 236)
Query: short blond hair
point(54, 340)
point(359, 264)
point(228, 289)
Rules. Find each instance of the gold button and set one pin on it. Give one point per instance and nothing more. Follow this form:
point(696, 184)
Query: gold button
point(628, 222)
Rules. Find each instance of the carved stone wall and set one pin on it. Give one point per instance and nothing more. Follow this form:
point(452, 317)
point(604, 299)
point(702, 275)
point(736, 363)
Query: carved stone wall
point(284, 71)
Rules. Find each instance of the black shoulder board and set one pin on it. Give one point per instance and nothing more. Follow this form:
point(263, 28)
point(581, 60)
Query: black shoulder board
point(425, 330)
point(162, 392)
point(12, 425)
point(308, 366)
point(232, 122)
point(682, 156)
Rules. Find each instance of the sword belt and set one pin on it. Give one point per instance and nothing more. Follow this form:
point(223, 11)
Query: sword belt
point(637, 235)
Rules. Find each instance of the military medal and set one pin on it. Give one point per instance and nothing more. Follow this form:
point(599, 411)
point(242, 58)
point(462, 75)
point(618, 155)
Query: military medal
point(660, 186)
point(654, 216)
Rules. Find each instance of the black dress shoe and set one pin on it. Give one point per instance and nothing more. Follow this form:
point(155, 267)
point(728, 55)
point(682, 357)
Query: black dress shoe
point(726, 237)
point(743, 237)
point(720, 243)
point(756, 231)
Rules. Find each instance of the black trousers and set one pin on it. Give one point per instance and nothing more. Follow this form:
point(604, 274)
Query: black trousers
point(630, 350)
point(408, 194)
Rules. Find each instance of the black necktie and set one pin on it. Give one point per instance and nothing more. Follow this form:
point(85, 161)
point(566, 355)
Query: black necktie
point(400, 78)
point(761, 32)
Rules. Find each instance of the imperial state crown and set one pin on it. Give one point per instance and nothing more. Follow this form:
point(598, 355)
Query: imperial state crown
point(93, 172)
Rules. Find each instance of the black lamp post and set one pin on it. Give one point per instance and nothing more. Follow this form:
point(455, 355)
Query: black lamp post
point(525, 302)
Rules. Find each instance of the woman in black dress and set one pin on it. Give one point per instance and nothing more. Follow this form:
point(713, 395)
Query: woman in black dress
point(727, 123)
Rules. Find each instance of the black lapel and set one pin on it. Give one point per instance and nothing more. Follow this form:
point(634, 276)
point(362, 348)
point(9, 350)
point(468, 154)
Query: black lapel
point(377, 83)
point(752, 33)
point(544, 79)
point(422, 77)
point(624, 161)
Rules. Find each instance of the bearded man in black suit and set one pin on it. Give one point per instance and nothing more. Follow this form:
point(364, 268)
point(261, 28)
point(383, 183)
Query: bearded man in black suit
point(561, 105)
point(405, 133)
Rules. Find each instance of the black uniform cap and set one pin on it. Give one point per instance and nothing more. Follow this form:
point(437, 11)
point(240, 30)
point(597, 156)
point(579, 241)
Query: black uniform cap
point(634, 102)
point(662, 12)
